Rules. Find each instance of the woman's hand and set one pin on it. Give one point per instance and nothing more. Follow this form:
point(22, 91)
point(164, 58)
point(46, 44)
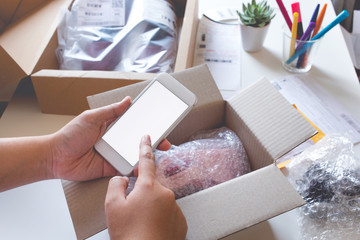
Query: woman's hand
point(74, 157)
point(149, 211)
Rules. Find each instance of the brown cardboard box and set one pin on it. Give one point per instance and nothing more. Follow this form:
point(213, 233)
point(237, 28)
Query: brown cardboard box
point(27, 30)
point(65, 92)
point(268, 127)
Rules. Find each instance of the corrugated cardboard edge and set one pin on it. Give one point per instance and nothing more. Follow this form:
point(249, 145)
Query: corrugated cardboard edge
point(185, 53)
point(272, 121)
point(254, 148)
point(205, 221)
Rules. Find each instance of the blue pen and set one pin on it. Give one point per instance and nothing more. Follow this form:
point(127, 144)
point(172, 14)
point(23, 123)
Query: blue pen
point(315, 14)
point(344, 14)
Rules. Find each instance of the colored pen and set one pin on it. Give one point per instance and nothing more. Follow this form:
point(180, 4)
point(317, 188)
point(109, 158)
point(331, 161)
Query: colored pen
point(293, 34)
point(315, 14)
point(284, 13)
point(305, 36)
point(319, 20)
point(344, 14)
point(303, 57)
point(296, 8)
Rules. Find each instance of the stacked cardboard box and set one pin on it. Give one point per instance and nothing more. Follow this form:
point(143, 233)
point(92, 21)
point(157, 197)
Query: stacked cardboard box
point(27, 49)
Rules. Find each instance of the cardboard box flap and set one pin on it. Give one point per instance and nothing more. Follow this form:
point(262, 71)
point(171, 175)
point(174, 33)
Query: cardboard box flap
point(199, 80)
point(282, 128)
point(86, 205)
point(9, 71)
point(66, 91)
point(273, 195)
point(26, 39)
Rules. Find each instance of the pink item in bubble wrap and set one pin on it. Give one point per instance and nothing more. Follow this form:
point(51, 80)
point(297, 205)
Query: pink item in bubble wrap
point(213, 157)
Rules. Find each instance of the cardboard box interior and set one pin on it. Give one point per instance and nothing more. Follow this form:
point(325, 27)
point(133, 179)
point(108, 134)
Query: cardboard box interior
point(25, 38)
point(267, 125)
point(75, 86)
point(13, 10)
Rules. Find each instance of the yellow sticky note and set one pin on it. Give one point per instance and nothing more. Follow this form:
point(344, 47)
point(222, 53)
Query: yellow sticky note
point(320, 133)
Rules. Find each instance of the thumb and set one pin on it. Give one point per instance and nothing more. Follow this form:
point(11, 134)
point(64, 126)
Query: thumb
point(110, 112)
point(116, 189)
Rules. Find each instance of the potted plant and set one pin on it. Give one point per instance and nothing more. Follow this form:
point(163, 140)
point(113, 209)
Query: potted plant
point(255, 20)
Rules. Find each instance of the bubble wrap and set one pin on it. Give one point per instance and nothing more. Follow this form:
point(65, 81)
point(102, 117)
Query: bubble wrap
point(209, 158)
point(327, 176)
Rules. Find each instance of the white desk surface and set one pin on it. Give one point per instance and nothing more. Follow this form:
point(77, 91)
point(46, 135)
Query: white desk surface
point(39, 210)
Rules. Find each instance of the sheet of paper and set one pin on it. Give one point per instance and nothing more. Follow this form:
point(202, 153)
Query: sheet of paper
point(319, 106)
point(218, 45)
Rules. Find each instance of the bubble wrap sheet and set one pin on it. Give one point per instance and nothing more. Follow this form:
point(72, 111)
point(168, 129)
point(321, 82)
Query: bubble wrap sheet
point(209, 158)
point(327, 176)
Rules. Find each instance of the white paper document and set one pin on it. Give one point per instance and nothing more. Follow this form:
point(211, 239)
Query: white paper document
point(218, 45)
point(319, 107)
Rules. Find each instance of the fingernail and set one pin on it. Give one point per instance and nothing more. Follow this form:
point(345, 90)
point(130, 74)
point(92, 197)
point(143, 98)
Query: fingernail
point(146, 139)
point(124, 99)
point(119, 178)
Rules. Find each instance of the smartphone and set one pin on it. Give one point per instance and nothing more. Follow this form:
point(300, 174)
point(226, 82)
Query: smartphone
point(156, 111)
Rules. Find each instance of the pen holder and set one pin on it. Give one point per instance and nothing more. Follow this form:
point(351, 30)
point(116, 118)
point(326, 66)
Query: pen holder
point(304, 61)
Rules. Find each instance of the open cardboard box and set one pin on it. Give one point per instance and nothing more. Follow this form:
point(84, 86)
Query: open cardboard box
point(268, 127)
point(27, 30)
point(65, 92)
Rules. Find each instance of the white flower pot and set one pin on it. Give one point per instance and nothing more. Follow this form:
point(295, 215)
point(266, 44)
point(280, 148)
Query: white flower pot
point(253, 37)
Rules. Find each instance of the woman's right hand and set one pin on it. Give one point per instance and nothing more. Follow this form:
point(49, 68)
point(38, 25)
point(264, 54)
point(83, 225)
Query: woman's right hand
point(149, 211)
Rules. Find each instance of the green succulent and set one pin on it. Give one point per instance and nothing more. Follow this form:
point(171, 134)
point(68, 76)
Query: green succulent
point(256, 14)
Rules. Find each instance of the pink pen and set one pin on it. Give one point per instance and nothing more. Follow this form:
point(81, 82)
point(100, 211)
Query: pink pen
point(284, 13)
point(296, 8)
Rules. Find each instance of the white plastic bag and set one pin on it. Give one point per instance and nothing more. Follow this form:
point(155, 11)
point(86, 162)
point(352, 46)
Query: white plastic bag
point(120, 35)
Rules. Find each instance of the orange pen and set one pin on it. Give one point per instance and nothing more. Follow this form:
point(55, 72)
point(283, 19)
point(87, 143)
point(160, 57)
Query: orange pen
point(319, 20)
point(316, 29)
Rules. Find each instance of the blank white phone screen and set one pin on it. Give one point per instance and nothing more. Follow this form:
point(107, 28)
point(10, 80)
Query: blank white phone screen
point(153, 113)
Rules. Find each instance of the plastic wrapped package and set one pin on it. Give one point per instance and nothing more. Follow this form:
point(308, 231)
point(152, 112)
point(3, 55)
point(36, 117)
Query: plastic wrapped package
point(327, 176)
point(209, 158)
point(119, 35)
